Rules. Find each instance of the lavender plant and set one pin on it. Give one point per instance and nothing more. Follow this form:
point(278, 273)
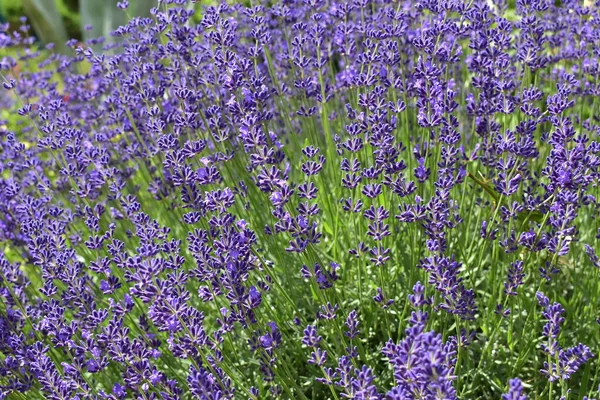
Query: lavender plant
point(316, 199)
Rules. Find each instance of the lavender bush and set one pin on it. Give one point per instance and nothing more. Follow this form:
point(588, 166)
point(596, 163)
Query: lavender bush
point(317, 199)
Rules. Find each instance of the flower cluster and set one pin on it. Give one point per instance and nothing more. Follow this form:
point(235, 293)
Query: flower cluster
point(325, 199)
point(561, 363)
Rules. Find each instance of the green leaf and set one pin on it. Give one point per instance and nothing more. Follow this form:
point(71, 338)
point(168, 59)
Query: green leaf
point(47, 22)
point(526, 216)
point(485, 187)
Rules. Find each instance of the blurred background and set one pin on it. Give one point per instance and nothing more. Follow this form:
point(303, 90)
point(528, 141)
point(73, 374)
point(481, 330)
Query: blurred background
point(56, 21)
point(66, 10)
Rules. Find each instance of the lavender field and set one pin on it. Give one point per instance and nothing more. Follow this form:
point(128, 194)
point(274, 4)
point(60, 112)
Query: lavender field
point(304, 199)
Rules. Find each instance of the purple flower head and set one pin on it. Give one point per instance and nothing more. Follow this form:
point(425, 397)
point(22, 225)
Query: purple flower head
point(443, 275)
point(380, 299)
point(417, 298)
point(423, 364)
point(515, 278)
point(311, 339)
point(119, 391)
point(272, 339)
point(515, 391)
point(562, 362)
point(325, 277)
point(352, 325)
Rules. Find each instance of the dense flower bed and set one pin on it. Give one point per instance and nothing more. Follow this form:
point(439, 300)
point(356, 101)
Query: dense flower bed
point(317, 199)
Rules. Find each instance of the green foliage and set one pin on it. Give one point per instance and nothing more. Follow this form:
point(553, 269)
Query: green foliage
point(11, 10)
point(69, 10)
point(46, 21)
point(59, 20)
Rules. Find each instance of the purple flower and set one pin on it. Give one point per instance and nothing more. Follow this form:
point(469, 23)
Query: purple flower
point(515, 278)
point(423, 365)
point(160, 189)
point(515, 391)
point(561, 363)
